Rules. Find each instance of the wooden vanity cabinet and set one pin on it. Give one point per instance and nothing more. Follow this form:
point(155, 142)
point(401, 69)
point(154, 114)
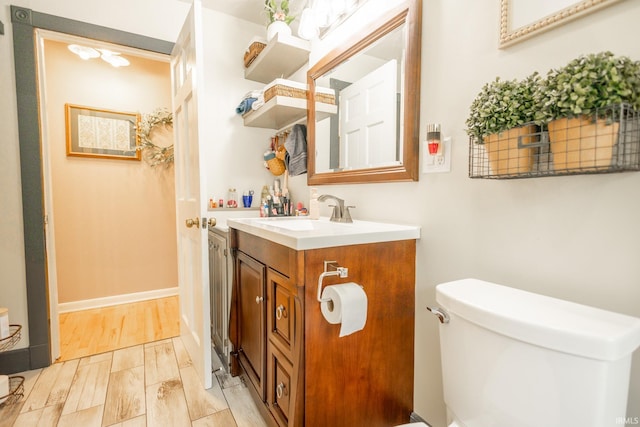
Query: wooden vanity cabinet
point(312, 377)
point(251, 343)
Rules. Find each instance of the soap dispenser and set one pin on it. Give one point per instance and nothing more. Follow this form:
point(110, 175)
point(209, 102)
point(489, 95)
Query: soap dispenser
point(314, 206)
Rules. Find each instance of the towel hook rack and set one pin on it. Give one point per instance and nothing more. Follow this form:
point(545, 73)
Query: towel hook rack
point(331, 268)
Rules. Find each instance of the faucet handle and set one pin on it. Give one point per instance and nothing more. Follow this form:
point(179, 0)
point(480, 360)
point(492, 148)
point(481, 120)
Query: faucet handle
point(347, 214)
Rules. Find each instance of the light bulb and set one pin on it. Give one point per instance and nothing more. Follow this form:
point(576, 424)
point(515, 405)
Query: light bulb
point(83, 51)
point(308, 28)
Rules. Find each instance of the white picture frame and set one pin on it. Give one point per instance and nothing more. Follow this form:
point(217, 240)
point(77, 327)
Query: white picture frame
point(521, 19)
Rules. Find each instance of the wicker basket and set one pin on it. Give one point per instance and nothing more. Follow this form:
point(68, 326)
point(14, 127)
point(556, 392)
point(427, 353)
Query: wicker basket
point(327, 98)
point(291, 89)
point(253, 51)
point(281, 87)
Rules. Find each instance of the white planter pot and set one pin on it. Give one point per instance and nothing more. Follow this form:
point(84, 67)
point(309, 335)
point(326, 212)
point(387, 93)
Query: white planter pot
point(278, 27)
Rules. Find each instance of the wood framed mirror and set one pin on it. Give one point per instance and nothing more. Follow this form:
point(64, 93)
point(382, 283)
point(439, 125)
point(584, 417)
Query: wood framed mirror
point(363, 104)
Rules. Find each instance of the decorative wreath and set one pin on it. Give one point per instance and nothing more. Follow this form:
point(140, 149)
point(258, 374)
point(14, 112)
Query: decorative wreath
point(154, 154)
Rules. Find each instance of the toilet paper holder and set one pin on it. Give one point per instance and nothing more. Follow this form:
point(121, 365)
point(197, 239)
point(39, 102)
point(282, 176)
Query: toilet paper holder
point(331, 268)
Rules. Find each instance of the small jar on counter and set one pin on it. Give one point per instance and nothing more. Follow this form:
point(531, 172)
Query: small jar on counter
point(232, 198)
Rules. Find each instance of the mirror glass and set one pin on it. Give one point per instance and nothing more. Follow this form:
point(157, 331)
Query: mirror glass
point(364, 105)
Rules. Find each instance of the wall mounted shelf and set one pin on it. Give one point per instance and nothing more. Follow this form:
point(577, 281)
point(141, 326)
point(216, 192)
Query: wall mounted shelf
point(281, 57)
point(607, 142)
point(281, 111)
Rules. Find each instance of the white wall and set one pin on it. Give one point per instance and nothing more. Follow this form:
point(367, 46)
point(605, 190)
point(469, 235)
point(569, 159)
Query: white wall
point(575, 238)
point(236, 152)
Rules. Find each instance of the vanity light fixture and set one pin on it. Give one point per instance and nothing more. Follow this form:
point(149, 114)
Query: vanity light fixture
point(308, 28)
point(322, 14)
point(111, 57)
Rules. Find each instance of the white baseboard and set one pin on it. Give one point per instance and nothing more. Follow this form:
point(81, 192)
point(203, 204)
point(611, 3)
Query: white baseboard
point(87, 304)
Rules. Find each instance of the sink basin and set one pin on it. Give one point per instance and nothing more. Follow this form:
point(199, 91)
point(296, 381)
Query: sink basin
point(288, 224)
point(303, 233)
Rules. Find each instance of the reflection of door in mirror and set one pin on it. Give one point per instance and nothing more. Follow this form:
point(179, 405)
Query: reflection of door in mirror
point(368, 119)
point(364, 133)
point(371, 134)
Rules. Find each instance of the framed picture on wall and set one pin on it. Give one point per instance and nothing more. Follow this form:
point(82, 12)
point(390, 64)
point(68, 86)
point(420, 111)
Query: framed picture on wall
point(96, 132)
point(521, 19)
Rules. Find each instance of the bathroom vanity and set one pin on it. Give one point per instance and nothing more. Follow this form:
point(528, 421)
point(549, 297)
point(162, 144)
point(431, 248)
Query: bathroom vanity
point(298, 369)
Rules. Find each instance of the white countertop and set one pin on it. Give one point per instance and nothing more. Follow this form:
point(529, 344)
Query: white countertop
point(302, 233)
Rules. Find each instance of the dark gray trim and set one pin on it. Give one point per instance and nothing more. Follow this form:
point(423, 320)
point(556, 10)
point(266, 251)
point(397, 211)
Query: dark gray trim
point(24, 21)
point(1, 29)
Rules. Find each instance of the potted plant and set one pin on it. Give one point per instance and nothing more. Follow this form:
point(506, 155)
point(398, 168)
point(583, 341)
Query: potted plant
point(582, 102)
point(279, 18)
point(501, 114)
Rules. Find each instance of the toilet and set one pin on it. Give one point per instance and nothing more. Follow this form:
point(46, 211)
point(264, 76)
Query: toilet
point(515, 358)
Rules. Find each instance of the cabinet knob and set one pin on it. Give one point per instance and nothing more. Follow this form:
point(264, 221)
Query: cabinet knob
point(281, 312)
point(259, 299)
point(281, 390)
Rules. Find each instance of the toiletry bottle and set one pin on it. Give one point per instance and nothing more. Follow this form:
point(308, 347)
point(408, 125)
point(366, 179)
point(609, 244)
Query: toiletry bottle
point(314, 206)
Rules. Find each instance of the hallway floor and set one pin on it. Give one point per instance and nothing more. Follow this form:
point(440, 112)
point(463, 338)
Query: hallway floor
point(87, 332)
point(151, 384)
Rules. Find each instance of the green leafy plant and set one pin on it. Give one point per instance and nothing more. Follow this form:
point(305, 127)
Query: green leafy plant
point(588, 83)
point(278, 11)
point(502, 105)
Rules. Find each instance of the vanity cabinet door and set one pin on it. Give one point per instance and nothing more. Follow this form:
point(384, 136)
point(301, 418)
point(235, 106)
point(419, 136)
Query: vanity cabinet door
point(251, 276)
point(281, 313)
point(219, 294)
point(279, 380)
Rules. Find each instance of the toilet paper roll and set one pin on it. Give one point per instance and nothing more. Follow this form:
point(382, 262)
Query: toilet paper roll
point(4, 387)
point(347, 304)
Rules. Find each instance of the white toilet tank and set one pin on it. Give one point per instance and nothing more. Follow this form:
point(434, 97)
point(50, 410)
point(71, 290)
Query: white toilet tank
point(512, 358)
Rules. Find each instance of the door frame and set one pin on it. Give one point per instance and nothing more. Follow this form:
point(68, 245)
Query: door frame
point(24, 22)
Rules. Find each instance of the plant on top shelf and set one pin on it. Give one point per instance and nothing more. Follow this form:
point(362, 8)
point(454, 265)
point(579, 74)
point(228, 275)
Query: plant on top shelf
point(278, 11)
point(501, 113)
point(582, 104)
point(588, 83)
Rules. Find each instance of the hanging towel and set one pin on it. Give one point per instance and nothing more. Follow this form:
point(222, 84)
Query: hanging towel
point(296, 146)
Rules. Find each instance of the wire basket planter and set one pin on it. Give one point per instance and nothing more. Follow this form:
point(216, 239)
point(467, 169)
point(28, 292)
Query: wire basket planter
point(13, 338)
point(606, 142)
point(16, 391)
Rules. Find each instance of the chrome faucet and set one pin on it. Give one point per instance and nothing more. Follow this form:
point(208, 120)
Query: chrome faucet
point(340, 211)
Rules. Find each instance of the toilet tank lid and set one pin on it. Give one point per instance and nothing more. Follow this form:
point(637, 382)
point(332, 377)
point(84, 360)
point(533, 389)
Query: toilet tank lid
point(541, 320)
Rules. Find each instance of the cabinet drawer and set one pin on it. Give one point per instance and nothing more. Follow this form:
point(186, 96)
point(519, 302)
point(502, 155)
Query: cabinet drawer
point(279, 383)
point(281, 311)
point(278, 257)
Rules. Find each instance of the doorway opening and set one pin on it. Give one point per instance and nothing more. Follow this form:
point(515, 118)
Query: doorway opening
point(25, 21)
point(110, 220)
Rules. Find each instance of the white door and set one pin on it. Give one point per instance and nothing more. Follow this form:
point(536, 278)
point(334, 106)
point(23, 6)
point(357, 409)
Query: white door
point(368, 110)
point(193, 270)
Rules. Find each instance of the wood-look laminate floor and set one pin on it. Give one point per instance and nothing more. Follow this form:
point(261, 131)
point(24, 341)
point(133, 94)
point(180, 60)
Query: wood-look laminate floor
point(87, 332)
point(151, 384)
